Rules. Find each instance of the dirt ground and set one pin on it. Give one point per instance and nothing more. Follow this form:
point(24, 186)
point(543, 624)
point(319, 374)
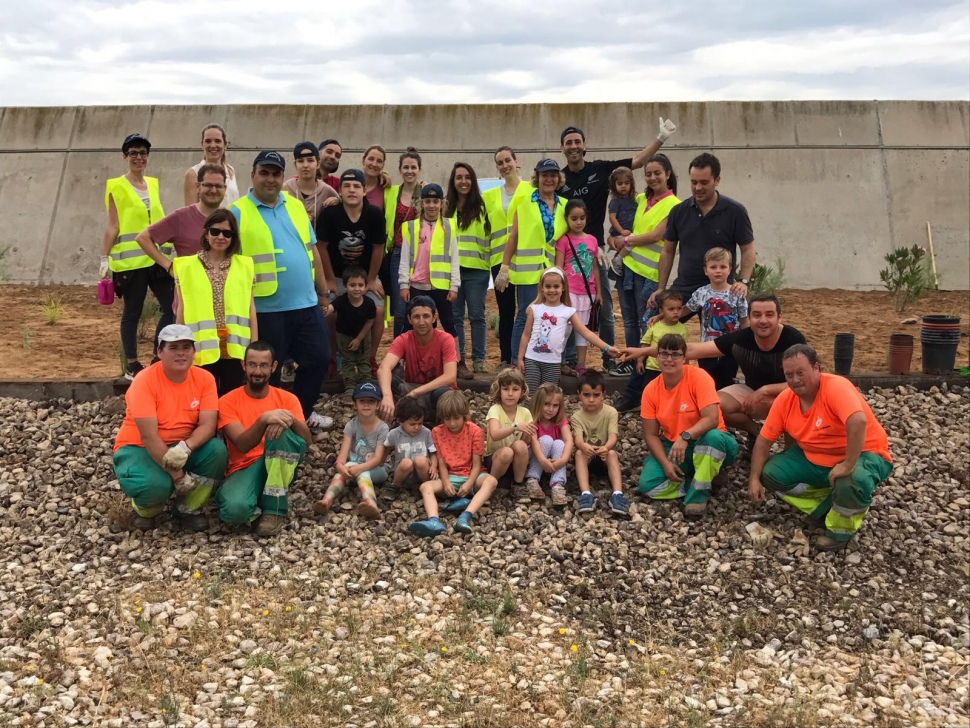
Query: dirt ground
point(84, 343)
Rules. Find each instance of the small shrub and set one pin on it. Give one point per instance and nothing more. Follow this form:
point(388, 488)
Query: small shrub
point(4, 251)
point(493, 319)
point(53, 309)
point(906, 277)
point(150, 311)
point(765, 279)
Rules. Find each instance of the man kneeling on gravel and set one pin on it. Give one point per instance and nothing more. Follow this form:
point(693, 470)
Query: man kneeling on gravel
point(167, 440)
point(267, 438)
point(839, 455)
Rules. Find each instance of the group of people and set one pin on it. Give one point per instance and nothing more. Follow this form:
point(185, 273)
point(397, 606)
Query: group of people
point(302, 266)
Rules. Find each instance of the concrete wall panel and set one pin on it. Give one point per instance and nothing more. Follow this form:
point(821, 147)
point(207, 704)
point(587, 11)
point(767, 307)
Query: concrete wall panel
point(266, 127)
point(27, 182)
point(180, 127)
point(352, 126)
point(753, 123)
point(37, 128)
point(105, 127)
point(924, 123)
point(837, 123)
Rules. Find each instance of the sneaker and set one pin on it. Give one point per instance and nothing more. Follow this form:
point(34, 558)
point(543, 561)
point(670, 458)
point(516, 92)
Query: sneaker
point(622, 370)
point(520, 493)
point(617, 266)
point(586, 503)
point(464, 372)
point(457, 505)
point(464, 522)
point(317, 421)
point(559, 497)
point(428, 528)
point(195, 522)
point(580, 371)
point(322, 507)
point(269, 525)
point(390, 492)
point(534, 489)
point(368, 509)
point(501, 365)
point(695, 510)
point(478, 366)
point(132, 369)
point(826, 543)
point(619, 504)
point(566, 370)
point(624, 404)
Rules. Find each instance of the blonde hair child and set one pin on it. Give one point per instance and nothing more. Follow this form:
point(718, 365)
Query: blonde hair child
point(551, 447)
point(509, 430)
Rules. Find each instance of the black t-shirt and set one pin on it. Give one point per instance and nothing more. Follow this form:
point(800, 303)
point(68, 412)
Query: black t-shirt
point(759, 367)
point(351, 243)
point(592, 184)
point(726, 225)
point(351, 319)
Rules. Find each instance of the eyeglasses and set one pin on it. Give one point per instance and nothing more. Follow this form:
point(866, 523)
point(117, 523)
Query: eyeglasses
point(670, 355)
point(137, 153)
point(219, 232)
point(212, 186)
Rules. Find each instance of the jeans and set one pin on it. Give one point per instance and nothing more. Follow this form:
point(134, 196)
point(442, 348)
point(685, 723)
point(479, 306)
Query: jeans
point(471, 294)
point(525, 295)
point(633, 301)
point(506, 317)
point(302, 336)
point(398, 306)
point(607, 328)
point(136, 285)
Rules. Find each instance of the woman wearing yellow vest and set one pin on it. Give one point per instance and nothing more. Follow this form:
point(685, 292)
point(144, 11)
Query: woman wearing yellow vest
point(538, 221)
point(497, 201)
point(466, 207)
point(133, 204)
point(214, 298)
point(429, 258)
point(400, 205)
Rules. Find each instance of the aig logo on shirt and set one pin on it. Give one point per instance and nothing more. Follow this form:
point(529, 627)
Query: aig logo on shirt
point(194, 404)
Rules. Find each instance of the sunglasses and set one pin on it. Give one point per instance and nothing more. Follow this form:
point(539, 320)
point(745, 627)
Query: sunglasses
point(219, 232)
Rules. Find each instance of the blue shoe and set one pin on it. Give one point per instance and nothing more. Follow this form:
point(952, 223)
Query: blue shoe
point(428, 528)
point(585, 503)
point(620, 504)
point(464, 522)
point(457, 505)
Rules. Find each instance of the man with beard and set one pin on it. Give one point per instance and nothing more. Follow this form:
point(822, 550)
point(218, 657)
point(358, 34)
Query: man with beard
point(267, 438)
point(330, 153)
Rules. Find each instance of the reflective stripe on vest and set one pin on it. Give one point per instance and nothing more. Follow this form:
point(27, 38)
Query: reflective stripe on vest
point(133, 217)
point(644, 260)
point(198, 309)
point(257, 241)
point(534, 253)
point(499, 220)
point(439, 260)
point(473, 246)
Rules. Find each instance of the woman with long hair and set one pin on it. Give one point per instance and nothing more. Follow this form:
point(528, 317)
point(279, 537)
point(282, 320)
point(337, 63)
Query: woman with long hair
point(401, 204)
point(214, 144)
point(375, 179)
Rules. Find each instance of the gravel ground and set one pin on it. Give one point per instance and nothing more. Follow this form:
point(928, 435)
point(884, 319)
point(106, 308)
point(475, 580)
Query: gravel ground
point(539, 618)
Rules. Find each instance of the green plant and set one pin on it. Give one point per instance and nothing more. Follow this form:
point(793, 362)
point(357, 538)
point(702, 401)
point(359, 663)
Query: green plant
point(906, 277)
point(25, 338)
point(4, 251)
point(53, 309)
point(150, 311)
point(765, 279)
point(493, 322)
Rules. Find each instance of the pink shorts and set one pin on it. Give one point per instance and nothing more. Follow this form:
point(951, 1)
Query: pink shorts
point(582, 304)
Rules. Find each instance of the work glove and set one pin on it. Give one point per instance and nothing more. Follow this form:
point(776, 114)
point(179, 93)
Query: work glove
point(185, 485)
point(760, 536)
point(103, 269)
point(502, 279)
point(666, 129)
point(176, 456)
point(799, 545)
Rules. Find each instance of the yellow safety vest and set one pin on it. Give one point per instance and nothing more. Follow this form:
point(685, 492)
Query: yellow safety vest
point(439, 263)
point(645, 259)
point(126, 254)
point(473, 246)
point(199, 313)
point(498, 219)
point(534, 253)
point(257, 240)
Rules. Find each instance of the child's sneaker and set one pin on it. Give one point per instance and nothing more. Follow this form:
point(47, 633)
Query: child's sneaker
point(586, 503)
point(389, 493)
point(620, 504)
point(559, 497)
point(428, 528)
point(520, 494)
point(322, 507)
point(534, 489)
point(464, 522)
point(457, 505)
point(368, 509)
point(616, 265)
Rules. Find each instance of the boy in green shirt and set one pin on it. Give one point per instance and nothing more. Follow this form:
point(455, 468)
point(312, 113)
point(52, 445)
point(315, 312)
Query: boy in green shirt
point(671, 304)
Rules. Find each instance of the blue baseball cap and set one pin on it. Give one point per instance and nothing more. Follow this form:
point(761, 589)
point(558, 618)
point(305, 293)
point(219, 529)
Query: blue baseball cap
point(133, 139)
point(352, 175)
point(269, 158)
point(366, 390)
point(432, 191)
point(305, 149)
point(547, 165)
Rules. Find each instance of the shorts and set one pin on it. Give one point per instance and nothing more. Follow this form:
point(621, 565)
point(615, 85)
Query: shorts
point(597, 466)
point(741, 392)
point(378, 301)
point(582, 304)
point(459, 480)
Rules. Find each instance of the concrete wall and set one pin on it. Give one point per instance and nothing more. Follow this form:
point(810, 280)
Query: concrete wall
point(830, 186)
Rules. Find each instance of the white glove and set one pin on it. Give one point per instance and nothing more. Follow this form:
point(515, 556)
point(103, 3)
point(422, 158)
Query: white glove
point(103, 269)
point(799, 545)
point(176, 456)
point(502, 279)
point(760, 536)
point(185, 485)
point(666, 129)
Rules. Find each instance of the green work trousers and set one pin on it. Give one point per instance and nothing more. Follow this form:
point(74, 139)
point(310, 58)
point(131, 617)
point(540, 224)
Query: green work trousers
point(703, 460)
point(354, 365)
point(806, 486)
point(262, 487)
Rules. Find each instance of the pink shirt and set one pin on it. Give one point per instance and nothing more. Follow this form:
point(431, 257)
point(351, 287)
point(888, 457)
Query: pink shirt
point(586, 249)
point(553, 431)
point(375, 196)
point(182, 228)
point(422, 259)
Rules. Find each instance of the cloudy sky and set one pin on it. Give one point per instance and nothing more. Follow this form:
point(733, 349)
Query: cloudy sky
point(67, 52)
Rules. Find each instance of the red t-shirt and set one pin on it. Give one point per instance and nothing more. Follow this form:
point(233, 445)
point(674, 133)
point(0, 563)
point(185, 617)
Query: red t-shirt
point(457, 449)
point(422, 364)
point(679, 409)
point(182, 228)
point(820, 432)
point(237, 406)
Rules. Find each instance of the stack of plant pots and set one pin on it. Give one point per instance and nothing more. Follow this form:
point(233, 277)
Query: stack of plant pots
point(843, 352)
point(900, 353)
point(939, 337)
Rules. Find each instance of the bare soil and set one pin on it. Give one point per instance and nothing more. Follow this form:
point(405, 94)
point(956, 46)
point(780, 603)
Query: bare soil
point(84, 342)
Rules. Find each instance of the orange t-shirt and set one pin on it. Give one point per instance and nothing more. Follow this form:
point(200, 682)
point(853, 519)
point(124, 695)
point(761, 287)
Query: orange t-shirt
point(679, 409)
point(820, 432)
point(457, 449)
point(237, 406)
point(152, 395)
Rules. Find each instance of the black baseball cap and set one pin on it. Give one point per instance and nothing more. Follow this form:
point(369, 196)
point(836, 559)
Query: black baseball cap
point(133, 139)
point(352, 175)
point(571, 130)
point(269, 158)
point(305, 149)
point(426, 301)
point(547, 165)
point(432, 191)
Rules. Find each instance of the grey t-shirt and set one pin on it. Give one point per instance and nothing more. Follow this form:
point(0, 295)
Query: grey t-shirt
point(409, 447)
point(364, 444)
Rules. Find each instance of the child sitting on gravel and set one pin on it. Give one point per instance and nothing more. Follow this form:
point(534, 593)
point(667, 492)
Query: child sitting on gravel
point(361, 457)
point(551, 447)
point(460, 445)
point(412, 450)
point(509, 430)
point(596, 430)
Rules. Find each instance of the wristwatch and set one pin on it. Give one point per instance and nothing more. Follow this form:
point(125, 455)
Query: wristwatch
point(685, 435)
point(515, 427)
point(745, 281)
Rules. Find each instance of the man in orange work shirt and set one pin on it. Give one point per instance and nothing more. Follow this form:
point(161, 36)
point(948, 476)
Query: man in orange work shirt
point(267, 438)
point(840, 451)
point(167, 440)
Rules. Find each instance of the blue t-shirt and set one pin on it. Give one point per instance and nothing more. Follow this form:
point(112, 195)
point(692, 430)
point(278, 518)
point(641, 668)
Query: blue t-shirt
point(625, 209)
point(295, 289)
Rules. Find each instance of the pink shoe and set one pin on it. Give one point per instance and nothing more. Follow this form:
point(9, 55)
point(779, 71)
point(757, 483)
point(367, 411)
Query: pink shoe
point(580, 371)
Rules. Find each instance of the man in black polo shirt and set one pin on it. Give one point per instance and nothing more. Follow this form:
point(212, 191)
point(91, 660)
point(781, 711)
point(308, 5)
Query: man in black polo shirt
point(590, 181)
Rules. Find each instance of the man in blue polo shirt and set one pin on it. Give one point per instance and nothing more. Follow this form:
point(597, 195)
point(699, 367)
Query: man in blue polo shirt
point(290, 284)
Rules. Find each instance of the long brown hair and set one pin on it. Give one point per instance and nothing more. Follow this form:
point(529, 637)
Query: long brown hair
point(473, 207)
